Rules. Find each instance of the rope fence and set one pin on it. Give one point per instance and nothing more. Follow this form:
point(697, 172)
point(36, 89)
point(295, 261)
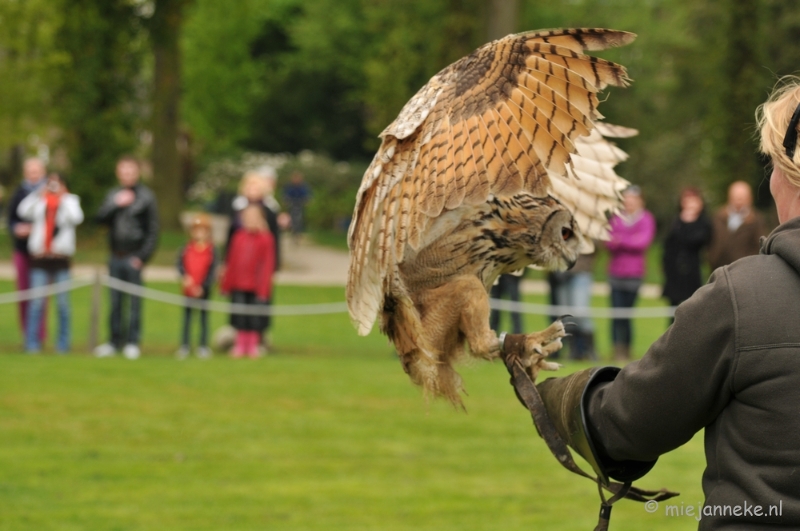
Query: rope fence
point(99, 280)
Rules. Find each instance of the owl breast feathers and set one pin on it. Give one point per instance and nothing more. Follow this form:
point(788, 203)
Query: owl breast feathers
point(498, 162)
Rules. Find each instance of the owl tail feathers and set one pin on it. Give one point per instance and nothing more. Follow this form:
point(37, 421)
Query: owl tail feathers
point(423, 364)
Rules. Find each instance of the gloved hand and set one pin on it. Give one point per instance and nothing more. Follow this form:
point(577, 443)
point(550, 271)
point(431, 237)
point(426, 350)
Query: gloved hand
point(565, 400)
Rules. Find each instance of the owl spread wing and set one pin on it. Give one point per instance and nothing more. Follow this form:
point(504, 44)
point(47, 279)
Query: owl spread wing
point(502, 120)
point(591, 187)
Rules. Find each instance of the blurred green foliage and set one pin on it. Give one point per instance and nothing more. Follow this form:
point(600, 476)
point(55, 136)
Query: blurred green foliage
point(283, 76)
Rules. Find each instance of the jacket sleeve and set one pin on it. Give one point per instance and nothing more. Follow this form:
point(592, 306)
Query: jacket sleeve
point(31, 207)
point(105, 214)
point(69, 211)
point(265, 279)
point(148, 247)
point(179, 262)
point(212, 271)
point(680, 386)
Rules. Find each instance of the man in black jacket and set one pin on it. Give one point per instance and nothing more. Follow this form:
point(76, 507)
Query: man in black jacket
point(131, 213)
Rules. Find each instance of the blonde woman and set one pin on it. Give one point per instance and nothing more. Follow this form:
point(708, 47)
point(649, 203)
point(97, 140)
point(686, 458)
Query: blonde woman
point(730, 364)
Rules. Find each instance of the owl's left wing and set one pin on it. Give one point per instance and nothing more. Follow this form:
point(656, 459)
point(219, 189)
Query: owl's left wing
point(496, 122)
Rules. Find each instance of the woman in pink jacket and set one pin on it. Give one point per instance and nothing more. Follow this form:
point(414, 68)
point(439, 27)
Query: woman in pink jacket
point(632, 232)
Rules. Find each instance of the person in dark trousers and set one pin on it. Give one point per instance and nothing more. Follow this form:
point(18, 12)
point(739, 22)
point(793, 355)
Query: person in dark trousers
point(632, 232)
point(196, 264)
point(729, 365)
point(506, 285)
point(131, 213)
point(34, 172)
point(689, 233)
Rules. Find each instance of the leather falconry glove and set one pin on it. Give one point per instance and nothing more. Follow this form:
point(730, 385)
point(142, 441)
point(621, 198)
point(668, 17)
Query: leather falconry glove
point(566, 402)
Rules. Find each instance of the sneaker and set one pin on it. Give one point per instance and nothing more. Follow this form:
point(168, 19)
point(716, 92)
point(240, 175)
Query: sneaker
point(131, 351)
point(106, 350)
point(203, 353)
point(182, 353)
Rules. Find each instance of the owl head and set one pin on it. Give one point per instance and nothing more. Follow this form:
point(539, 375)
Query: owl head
point(545, 233)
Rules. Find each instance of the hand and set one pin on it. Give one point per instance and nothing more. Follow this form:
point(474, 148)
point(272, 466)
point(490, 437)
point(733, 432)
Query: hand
point(22, 230)
point(124, 197)
point(187, 282)
point(136, 262)
point(284, 220)
point(196, 291)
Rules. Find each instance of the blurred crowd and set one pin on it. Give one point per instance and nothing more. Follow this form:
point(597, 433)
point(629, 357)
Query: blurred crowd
point(692, 237)
point(43, 215)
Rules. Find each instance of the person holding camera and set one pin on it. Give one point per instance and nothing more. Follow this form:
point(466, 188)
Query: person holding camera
point(53, 214)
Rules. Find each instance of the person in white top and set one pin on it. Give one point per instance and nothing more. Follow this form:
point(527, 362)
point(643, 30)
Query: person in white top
point(53, 213)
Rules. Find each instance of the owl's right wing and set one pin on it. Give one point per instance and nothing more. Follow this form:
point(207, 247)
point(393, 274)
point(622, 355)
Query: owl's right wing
point(497, 122)
point(598, 186)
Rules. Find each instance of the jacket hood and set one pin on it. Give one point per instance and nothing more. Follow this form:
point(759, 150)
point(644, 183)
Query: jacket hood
point(784, 241)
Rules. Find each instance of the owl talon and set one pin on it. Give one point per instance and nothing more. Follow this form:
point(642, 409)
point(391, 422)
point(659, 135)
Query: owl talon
point(539, 345)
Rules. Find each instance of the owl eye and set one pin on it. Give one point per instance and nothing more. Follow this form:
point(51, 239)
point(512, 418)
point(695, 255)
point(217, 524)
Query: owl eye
point(566, 233)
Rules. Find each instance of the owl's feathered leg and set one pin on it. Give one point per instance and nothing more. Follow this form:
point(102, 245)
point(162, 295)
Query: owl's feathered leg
point(474, 321)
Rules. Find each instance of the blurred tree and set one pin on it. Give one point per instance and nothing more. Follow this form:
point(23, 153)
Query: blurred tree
point(99, 93)
point(27, 56)
point(503, 18)
point(744, 79)
point(165, 26)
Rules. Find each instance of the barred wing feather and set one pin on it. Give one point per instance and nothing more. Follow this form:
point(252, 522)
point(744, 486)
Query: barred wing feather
point(509, 117)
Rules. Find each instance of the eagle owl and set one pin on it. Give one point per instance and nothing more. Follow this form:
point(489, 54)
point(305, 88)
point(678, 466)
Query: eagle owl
point(497, 163)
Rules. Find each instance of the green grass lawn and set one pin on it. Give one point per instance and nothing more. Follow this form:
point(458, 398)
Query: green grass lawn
point(326, 434)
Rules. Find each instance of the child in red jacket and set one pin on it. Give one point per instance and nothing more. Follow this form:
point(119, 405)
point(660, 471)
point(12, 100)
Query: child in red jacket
point(248, 278)
point(196, 262)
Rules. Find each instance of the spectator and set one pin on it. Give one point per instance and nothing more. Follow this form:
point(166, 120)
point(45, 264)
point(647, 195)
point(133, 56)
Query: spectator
point(34, 172)
point(688, 234)
point(297, 194)
point(507, 285)
point(632, 232)
point(131, 213)
point(248, 278)
point(574, 288)
point(53, 213)
point(256, 188)
point(738, 228)
point(196, 263)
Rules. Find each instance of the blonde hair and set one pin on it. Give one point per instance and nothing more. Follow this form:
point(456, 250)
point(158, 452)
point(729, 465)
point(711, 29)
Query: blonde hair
point(255, 178)
point(773, 118)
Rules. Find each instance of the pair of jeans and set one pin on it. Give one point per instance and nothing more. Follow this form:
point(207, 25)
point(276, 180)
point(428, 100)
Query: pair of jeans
point(22, 264)
point(37, 309)
point(621, 330)
point(120, 267)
